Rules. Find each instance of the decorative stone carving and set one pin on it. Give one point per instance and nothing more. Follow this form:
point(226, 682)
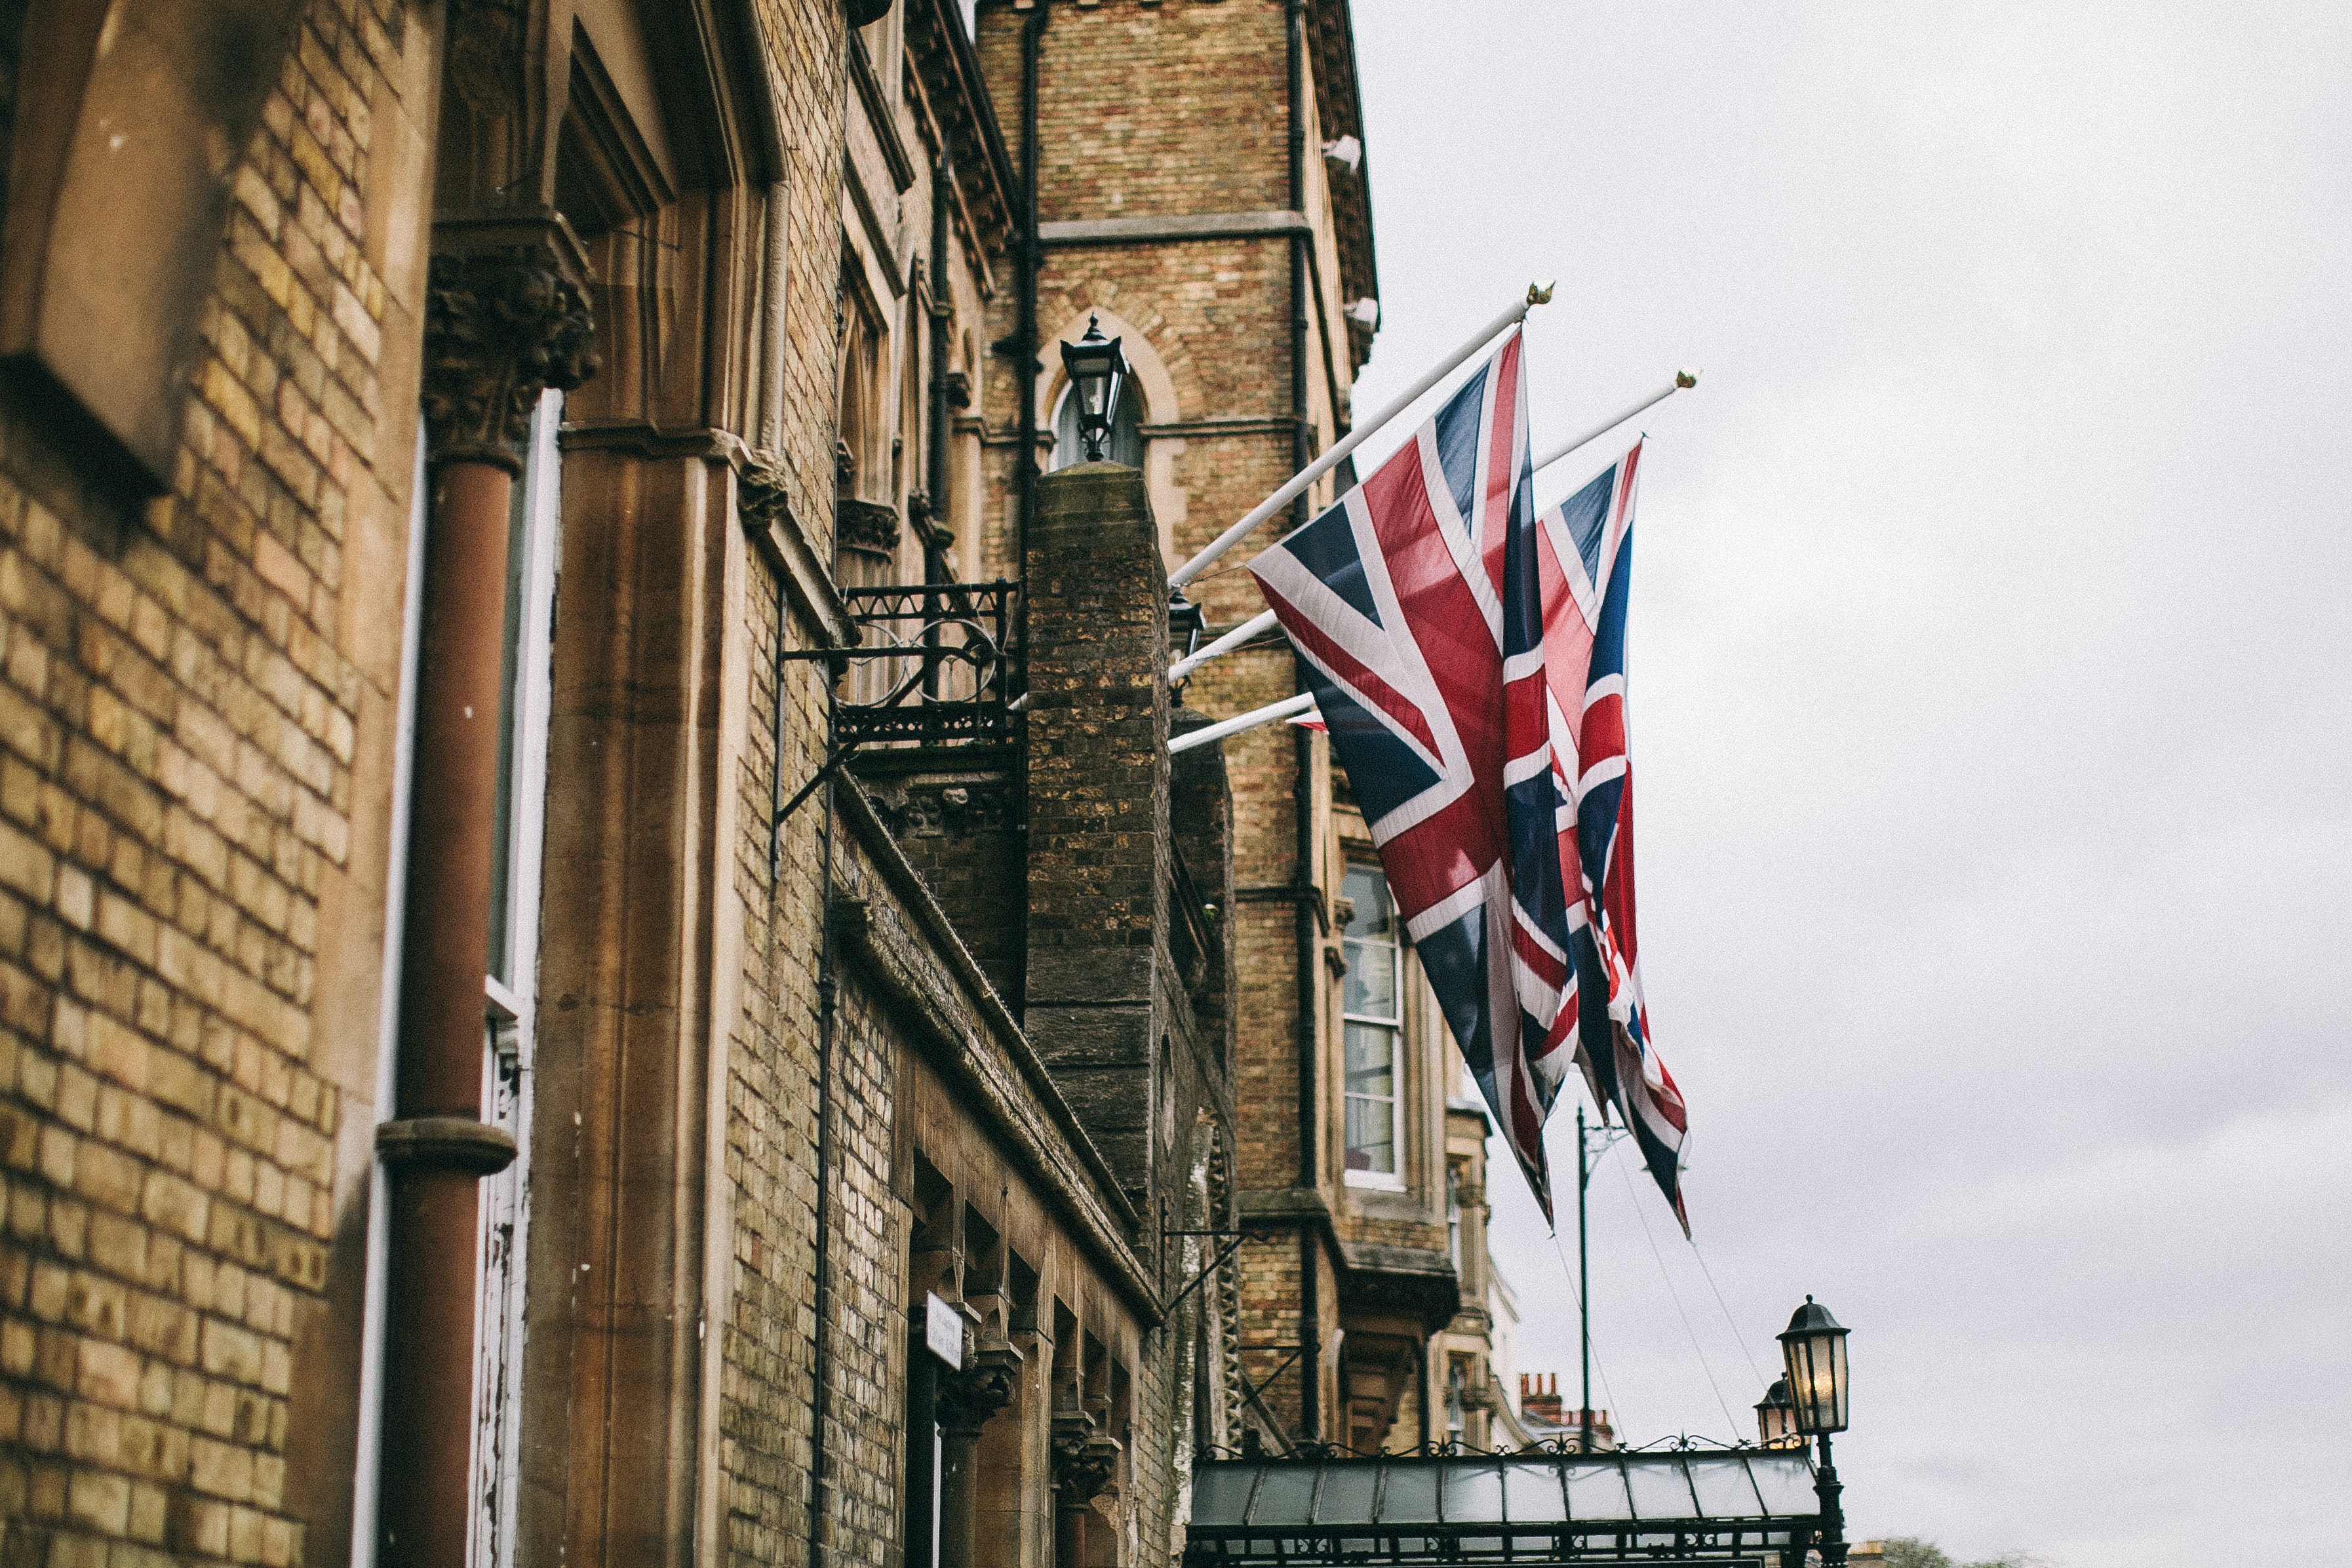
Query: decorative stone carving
point(1083, 1460)
point(763, 492)
point(966, 1399)
point(501, 325)
point(958, 389)
point(952, 806)
point(868, 527)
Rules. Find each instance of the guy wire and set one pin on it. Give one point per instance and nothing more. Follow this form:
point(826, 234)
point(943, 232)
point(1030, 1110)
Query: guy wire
point(1673, 1294)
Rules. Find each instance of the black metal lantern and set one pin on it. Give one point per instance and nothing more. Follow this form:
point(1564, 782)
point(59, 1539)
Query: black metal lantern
point(1813, 1347)
point(1097, 372)
point(1775, 1417)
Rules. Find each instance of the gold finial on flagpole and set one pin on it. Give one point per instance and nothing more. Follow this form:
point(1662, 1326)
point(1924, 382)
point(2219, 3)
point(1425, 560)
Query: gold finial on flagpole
point(1540, 293)
point(1685, 379)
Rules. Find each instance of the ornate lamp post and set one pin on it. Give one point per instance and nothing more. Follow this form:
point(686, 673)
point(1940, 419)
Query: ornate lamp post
point(1775, 1417)
point(1812, 1347)
point(1097, 372)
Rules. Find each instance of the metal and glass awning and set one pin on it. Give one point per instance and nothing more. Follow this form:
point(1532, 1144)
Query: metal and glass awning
point(1686, 1505)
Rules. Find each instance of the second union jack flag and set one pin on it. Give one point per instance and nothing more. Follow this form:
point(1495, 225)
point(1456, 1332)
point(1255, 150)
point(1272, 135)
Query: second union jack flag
point(1583, 558)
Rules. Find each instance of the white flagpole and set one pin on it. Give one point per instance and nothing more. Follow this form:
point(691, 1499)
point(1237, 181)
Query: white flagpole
point(1250, 720)
point(1684, 380)
point(1537, 294)
point(1263, 622)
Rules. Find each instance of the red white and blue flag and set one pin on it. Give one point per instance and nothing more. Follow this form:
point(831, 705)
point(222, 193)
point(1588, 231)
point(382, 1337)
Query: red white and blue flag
point(1584, 565)
point(1456, 646)
point(1399, 600)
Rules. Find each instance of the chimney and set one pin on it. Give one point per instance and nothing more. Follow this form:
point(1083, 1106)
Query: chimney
point(1539, 1397)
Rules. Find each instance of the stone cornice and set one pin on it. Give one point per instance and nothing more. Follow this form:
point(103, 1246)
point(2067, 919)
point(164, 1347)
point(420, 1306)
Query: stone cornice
point(1151, 230)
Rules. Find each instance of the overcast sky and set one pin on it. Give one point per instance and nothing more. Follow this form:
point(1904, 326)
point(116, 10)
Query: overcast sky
point(1991, 694)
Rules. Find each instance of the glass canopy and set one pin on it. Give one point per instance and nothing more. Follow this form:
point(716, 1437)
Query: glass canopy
point(1693, 1506)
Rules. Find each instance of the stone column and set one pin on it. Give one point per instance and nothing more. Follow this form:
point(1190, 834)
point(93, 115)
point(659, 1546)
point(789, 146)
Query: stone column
point(503, 323)
point(963, 1402)
point(1084, 1460)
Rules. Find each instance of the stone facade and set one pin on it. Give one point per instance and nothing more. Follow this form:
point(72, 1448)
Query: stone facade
point(670, 340)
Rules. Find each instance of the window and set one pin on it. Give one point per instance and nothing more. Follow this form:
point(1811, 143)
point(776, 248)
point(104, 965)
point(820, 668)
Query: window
point(1124, 445)
point(1372, 1027)
point(511, 986)
point(1453, 1215)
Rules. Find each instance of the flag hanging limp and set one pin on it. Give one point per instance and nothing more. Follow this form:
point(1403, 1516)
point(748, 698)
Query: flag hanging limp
point(1452, 639)
point(1584, 560)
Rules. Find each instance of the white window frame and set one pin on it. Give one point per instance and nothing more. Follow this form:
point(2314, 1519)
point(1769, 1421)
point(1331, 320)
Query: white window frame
point(508, 1064)
point(1378, 1181)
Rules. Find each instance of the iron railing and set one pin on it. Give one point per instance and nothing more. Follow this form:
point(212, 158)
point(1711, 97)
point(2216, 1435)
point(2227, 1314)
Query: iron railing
point(936, 665)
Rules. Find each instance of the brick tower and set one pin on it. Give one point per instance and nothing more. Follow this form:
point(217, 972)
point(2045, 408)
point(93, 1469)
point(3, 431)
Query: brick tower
point(1201, 193)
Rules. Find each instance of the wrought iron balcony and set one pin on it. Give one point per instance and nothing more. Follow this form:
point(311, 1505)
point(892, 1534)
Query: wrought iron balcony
point(936, 666)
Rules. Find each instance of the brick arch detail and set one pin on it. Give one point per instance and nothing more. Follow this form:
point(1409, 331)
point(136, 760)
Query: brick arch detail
point(1148, 375)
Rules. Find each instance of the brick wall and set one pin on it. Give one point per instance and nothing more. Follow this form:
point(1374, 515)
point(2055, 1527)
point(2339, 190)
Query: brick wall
point(195, 727)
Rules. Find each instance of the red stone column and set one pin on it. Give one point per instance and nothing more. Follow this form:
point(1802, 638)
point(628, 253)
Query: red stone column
point(502, 324)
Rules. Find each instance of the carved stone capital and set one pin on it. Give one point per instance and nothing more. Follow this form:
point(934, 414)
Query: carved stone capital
point(868, 527)
point(1082, 1461)
point(966, 1399)
point(503, 323)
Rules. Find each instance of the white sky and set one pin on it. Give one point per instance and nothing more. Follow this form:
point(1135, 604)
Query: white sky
point(1991, 726)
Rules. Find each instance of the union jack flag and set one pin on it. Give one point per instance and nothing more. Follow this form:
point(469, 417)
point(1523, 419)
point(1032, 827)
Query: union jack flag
point(1411, 601)
point(1583, 559)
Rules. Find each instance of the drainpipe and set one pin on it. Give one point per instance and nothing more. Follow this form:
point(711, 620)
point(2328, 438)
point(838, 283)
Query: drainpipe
point(935, 478)
point(501, 325)
point(821, 1372)
point(1302, 442)
point(1025, 458)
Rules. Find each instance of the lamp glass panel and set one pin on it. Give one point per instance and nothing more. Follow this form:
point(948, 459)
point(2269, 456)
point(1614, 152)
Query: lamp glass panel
point(1837, 1380)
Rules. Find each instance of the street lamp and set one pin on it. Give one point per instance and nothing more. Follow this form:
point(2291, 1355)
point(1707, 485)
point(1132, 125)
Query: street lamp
point(1775, 1417)
point(1813, 1347)
point(1097, 371)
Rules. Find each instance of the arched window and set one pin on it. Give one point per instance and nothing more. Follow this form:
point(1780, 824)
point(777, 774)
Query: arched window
point(1126, 442)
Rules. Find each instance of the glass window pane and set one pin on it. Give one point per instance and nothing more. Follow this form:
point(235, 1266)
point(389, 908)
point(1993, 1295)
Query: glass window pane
point(1531, 1493)
point(1372, 1059)
point(1786, 1481)
point(1220, 1492)
point(1473, 1493)
point(1596, 1492)
point(1347, 1494)
point(1723, 1488)
point(1658, 1488)
point(1371, 984)
point(1286, 1496)
point(1371, 1135)
point(1367, 889)
point(1410, 1495)
point(500, 962)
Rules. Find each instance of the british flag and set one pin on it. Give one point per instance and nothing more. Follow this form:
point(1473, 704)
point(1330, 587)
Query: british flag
point(1412, 601)
point(1583, 559)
